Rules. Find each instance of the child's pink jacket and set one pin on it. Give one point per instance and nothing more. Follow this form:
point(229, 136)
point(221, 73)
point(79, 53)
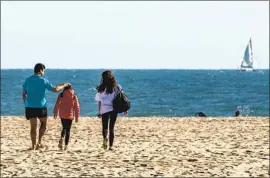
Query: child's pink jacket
point(68, 105)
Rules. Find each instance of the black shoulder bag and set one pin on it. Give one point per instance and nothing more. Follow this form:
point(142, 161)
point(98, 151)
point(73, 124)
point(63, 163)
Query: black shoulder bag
point(121, 102)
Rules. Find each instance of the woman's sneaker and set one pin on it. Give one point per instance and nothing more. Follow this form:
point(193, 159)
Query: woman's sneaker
point(105, 144)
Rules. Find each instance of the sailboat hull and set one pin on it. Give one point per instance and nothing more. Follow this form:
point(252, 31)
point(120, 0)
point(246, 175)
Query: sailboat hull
point(247, 70)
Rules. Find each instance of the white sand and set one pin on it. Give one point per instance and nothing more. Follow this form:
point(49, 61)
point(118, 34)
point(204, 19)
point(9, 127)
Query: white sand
point(148, 147)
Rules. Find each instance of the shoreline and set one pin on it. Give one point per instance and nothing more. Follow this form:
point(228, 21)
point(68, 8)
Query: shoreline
point(153, 117)
point(143, 146)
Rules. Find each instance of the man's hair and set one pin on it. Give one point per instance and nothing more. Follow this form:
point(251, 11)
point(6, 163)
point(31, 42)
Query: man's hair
point(39, 67)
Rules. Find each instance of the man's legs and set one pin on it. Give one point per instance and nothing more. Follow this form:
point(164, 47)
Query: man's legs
point(42, 129)
point(42, 115)
point(33, 131)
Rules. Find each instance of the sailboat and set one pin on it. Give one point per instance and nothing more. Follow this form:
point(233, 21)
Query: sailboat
point(247, 62)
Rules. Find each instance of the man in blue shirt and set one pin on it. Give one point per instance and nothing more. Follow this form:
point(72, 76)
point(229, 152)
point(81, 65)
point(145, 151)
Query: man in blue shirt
point(34, 99)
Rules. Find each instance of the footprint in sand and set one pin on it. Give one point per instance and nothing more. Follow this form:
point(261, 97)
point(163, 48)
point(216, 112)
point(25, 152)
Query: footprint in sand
point(3, 166)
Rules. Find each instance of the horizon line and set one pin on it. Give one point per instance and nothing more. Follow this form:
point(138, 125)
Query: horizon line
point(133, 68)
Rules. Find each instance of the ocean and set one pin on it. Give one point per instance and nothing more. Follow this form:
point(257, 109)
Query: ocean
point(165, 93)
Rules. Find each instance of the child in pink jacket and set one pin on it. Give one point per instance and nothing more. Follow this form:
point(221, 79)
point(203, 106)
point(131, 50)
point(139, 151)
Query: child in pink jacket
point(67, 105)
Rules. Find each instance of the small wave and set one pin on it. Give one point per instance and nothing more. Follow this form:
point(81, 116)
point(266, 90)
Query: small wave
point(92, 89)
point(245, 110)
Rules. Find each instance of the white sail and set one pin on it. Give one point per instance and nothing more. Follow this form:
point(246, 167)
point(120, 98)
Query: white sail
point(247, 62)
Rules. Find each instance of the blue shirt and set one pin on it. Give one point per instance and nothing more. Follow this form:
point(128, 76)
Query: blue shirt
point(35, 87)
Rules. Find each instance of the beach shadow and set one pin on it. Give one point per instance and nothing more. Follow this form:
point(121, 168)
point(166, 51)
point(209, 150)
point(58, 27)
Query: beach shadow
point(55, 150)
point(42, 150)
point(27, 150)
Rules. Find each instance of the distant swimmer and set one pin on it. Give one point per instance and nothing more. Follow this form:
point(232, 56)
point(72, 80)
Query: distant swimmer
point(237, 113)
point(200, 114)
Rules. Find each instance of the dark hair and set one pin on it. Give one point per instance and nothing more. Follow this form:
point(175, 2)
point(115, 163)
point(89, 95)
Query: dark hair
point(66, 88)
point(107, 82)
point(39, 67)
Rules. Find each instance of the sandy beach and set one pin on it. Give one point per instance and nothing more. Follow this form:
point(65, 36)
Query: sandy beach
point(148, 147)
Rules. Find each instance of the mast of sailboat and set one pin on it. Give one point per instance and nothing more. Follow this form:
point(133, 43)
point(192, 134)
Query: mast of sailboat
point(251, 51)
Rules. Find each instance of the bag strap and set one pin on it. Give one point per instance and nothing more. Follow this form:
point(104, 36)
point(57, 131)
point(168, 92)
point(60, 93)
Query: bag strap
point(120, 90)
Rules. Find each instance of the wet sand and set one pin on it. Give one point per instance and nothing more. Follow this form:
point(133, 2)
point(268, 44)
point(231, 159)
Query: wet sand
point(148, 147)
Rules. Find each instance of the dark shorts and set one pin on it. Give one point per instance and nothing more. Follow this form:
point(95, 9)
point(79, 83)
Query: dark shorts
point(35, 112)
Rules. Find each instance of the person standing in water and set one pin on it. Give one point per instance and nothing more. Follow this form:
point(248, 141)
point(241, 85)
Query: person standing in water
point(106, 92)
point(237, 113)
point(33, 96)
point(67, 104)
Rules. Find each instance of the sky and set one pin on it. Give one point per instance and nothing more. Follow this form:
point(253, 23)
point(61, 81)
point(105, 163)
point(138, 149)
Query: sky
point(133, 35)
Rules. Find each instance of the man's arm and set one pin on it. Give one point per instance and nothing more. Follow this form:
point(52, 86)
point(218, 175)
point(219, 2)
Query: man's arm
point(53, 88)
point(60, 87)
point(24, 94)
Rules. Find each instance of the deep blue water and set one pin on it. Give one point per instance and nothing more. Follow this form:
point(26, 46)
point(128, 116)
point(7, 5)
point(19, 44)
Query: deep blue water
point(155, 92)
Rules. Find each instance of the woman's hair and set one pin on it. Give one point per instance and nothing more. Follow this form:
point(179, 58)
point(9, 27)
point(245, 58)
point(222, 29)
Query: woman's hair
point(107, 82)
point(66, 88)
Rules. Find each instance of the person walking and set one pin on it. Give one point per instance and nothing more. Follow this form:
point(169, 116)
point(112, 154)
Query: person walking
point(106, 92)
point(35, 103)
point(67, 104)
